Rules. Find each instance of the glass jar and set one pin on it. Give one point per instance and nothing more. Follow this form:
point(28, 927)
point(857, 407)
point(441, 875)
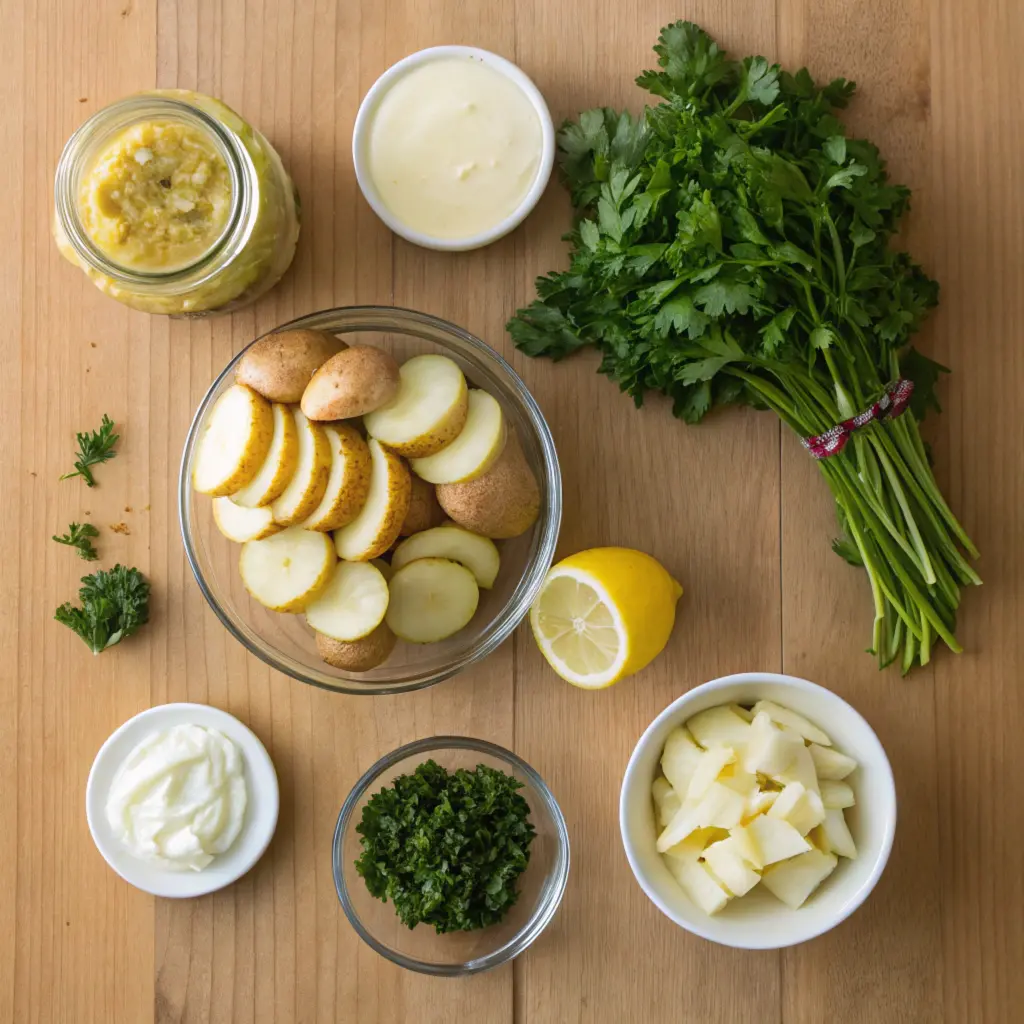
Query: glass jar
point(224, 231)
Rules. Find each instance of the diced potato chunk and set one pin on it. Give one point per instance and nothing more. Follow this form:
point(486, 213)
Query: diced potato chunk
point(746, 847)
point(801, 770)
point(719, 727)
point(719, 806)
point(709, 766)
point(730, 868)
point(792, 881)
point(791, 720)
point(736, 777)
point(837, 833)
point(758, 803)
point(800, 806)
point(666, 800)
point(697, 883)
point(829, 763)
point(679, 759)
point(775, 839)
point(770, 750)
point(837, 794)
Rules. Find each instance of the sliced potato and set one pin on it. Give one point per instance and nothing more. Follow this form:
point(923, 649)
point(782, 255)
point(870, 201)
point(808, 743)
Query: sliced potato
point(474, 451)
point(312, 471)
point(348, 483)
point(385, 568)
point(235, 442)
point(352, 604)
point(352, 383)
point(424, 511)
point(476, 553)
point(376, 527)
point(240, 524)
point(279, 465)
point(357, 655)
point(427, 413)
point(431, 599)
point(286, 571)
point(503, 502)
point(280, 365)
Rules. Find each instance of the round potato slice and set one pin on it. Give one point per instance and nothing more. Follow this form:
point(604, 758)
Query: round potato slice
point(280, 365)
point(351, 383)
point(431, 599)
point(352, 604)
point(427, 413)
point(358, 655)
point(240, 524)
point(286, 571)
point(235, 442)
point(279, 465)
point(476, 553)
point(376, 527)
point(348, 483)
point(309, 481)
point(474, 451)
point(503, 502)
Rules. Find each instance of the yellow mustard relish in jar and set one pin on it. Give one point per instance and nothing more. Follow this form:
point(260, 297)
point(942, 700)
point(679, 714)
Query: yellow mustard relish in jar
point(171, 203)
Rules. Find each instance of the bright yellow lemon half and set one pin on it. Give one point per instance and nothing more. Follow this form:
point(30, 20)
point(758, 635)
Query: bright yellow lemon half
point(604, 614)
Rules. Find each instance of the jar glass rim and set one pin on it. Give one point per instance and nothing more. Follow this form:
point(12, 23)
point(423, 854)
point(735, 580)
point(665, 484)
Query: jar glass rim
point(117, 117)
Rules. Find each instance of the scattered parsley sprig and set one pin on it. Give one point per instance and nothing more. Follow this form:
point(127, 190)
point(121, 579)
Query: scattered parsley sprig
point(446, 849)
point(94, 448)
point(734, 246)
point(115, 604)
point(78, 536)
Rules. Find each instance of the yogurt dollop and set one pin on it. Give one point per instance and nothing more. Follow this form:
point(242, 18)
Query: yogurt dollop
point(179, 799)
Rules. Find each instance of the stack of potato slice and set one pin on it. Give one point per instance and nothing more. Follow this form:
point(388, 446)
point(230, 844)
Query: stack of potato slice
point(321, 456)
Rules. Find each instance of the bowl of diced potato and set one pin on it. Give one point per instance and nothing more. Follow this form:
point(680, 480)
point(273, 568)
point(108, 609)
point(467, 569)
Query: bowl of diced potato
point(758, 810)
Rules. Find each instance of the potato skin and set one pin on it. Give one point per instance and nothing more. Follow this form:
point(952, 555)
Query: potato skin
point(351, 383)
point(424, 511)
point(502, 503)
point(357, 655)
point(280, 366)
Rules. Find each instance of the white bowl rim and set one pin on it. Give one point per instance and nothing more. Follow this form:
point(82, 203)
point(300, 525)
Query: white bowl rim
point(261, 811)
point(855, 899)
point(364, 119)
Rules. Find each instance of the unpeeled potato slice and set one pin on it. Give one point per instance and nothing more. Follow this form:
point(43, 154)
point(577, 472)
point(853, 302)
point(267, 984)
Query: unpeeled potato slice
point(357, 655)
point(235, 442)
point(312, 470)
point(427, 413)
point(474, 451)
point(376, 527)
point(348, 483)
point(240, 524)
point(431, 599)
point(478, 554)
point(353, 603)
point(286, 571)
point(279, 465)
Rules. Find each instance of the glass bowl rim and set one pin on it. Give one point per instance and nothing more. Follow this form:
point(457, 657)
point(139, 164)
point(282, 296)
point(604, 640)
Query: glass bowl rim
point(549, 521)
point(541, 916)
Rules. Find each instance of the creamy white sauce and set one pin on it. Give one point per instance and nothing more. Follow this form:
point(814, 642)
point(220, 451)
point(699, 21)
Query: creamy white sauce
point(179, 798)
point(454, 147)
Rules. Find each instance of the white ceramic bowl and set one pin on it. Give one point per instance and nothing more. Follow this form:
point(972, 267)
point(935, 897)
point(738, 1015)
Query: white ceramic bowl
point(758, 920)
point(260, 814)
point(361, 138)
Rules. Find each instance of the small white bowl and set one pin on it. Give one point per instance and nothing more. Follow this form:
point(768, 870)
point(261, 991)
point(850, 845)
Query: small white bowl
point(260, 814)
point(361, 138)
point(758, 920)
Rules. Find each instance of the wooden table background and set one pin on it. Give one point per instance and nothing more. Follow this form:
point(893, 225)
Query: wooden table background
point(734, 508)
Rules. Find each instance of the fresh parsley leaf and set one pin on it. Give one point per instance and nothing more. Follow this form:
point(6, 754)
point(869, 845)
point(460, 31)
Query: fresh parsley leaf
point(94, 448)
point(925, 374)
point(115, 604)
point(78, 536)
point(446, 848)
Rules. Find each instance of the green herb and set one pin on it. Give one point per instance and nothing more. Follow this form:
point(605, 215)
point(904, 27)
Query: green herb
point(733, 246)
point(446, 849)
point(94, 448)
point(78, 536)
point(114, 605)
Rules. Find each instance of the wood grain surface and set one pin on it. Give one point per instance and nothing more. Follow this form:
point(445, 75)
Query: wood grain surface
point(734, 508)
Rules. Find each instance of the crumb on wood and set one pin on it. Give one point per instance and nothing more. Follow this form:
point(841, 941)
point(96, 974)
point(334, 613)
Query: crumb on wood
point(121, 528)
point(32, 472)
point(128, 508)
point(92, 344)
point(145, 508)
point(83, 99)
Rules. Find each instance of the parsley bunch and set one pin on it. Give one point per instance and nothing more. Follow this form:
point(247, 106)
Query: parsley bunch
point(733, 246)
point(115, 603)
point(446, 849)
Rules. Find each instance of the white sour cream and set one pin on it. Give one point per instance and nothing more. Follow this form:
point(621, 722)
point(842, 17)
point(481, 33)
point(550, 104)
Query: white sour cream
point(454, 147)
point(179, 798)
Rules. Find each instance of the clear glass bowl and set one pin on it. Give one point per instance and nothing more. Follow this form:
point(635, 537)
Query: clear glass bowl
point(541, 885)
point(285, 641)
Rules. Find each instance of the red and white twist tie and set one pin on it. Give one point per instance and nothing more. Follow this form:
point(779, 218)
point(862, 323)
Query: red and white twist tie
point(891, 404)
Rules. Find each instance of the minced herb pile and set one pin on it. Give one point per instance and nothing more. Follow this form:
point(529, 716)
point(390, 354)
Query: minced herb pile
point(446, 848)
point(733, 246)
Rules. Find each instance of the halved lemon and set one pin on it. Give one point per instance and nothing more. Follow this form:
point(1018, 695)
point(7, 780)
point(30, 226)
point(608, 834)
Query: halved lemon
point(604, 614)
